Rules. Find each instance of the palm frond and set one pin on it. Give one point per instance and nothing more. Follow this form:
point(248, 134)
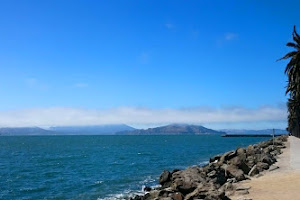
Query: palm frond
point(291, 44)
point(296, 37)
point(295, 32)
point(288, 55)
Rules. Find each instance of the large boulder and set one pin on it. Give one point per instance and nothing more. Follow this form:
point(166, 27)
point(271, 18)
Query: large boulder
point(251, 160)
point(268, 158)
point(177, 196)
point(217, 177)
point(253, 171)
point(241, 152)
point(187, 180)
point(151, 195)
point(239, 162)
point(250, 150)
point(165, 178)
point(166, 192)
point(233, 171)
point(226, 156)
point(261, 166)
point(215, 158)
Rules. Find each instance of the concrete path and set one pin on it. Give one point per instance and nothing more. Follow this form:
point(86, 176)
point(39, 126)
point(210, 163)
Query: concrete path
point(294, 153)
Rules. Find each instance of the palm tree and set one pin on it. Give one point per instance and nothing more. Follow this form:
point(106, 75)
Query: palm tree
point(292, 70)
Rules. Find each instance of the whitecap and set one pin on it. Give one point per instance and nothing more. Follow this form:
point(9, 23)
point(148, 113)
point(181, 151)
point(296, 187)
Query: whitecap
point(98, 182)
point(203, 163)
point(124, 195)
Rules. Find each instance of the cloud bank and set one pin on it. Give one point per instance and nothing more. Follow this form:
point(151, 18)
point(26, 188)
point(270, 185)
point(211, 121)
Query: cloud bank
point(60, 116)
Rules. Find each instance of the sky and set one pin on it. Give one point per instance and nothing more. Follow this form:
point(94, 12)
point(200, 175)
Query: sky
point(144, 63)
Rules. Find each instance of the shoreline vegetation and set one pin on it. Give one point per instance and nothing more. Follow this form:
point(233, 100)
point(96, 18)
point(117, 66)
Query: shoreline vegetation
point(217, 180)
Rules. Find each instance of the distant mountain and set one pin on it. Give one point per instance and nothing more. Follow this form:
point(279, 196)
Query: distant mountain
point(255, 132)
point(173, 129)
point(91, 130)
point(67, 130)
point(25, 131)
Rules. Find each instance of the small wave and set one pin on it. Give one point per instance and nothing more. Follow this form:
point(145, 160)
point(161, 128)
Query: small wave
point(203, 163)
point(144, 153)
point(98, 182)
point(124, 195)
point(147, 180)
point(29, 189)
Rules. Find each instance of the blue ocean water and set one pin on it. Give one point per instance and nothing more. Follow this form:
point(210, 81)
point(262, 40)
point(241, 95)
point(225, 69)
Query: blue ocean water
point(99, 167)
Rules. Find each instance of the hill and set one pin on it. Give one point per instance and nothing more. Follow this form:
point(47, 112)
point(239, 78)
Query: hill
point(25, 131)
point(91, 130)
point(173, 129)
point(66, 130)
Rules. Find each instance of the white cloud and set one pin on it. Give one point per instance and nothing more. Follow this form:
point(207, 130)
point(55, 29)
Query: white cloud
point(81, 85)
point(231, 36)
point(56, 116)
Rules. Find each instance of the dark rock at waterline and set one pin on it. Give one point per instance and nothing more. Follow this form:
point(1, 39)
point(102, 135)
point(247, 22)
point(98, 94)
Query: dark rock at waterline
point(147, 189)
point(165, 178)
point(175, 170)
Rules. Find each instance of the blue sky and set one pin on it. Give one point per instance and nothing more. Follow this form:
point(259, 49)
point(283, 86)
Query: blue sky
point(90, 57)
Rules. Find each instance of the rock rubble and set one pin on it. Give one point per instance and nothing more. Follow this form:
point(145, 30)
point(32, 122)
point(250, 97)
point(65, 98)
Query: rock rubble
point(215, 181)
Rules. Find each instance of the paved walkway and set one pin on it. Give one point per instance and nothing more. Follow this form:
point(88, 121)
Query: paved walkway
point(294, 153)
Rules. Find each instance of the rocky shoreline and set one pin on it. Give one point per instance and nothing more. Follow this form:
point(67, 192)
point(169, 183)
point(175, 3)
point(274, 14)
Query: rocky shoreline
point(216, 180)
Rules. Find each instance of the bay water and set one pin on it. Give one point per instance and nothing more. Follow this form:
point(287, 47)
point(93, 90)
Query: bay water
point(99, 167)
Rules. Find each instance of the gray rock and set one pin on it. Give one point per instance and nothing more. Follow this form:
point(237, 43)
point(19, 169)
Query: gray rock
point(206, 191)
point(215, 158)
point(242, 188)
point(212, 173)
point(177, 196)
point(226, 156)
point(164, 193)
point(261, 166)
point(147, 189)
point(164, 177)
point(239, 161)
point(267, 158)
point(152, 194)
point(250, 150)
point(273, 167)
point(187, 180)
point(242, 192)
point(166, 198)
point(253, 171)
point(233, 171)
